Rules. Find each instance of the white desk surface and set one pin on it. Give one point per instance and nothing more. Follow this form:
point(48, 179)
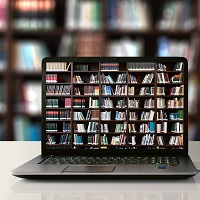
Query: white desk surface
point(13, 154)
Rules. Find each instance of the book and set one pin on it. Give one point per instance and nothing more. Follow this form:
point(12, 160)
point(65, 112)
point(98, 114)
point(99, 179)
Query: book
point(32, 97)
point(125, 47)
point(2, 97)
point(120, 15)
point(41, 17)
point(3, 55)
point(26, 130)
point(89, 44)
point(3, 15)
point(181, 48)
point(181, 19)
point(28, 55)
point(90, 20)
point(2, 131)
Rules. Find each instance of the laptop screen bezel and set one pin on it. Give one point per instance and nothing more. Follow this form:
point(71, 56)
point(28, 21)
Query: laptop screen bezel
point(46, 151)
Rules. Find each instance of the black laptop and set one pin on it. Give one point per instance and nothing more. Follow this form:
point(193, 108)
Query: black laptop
point(113, 117)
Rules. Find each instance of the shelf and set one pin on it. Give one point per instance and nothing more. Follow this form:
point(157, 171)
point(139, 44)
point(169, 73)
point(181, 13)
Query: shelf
point(53, 40)
point(58, 108)
point(170, 96)
point(151, 32)
point(39, 33)
point(58, 95)
point(52, 132)
point(86, 71)
point(56, 145)
point(170, 133)
point(31, 74)
point(30, 115)
point(60, 120)
point(54, 71)
point(58, 83)
point(170, 108)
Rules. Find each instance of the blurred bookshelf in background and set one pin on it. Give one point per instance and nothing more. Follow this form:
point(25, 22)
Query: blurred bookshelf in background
point(33, 29)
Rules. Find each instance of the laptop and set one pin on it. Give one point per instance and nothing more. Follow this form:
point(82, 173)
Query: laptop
point(113, 117)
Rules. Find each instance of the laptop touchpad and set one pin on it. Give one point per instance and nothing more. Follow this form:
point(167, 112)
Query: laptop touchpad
point(89, 168)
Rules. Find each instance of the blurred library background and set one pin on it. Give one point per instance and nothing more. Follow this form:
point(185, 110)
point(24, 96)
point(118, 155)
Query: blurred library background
point(33, 29)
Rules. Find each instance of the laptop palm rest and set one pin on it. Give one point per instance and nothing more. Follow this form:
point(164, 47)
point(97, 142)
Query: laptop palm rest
point(89, 168)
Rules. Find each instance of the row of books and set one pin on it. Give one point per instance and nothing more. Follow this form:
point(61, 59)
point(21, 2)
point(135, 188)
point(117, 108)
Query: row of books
point(93, 127)
point(28, 97)
point(177, 67)
point(28, 55)
point(58, 89)
point(122, 48)
point(57, 66)
point(61, 139)
point(146, 66)
point(147, 128)
point(94, 115)
point(2, 97)
point(91, 90)
point(51, 103)
point(120, 15)
point(148, 78)
point(180, 48)
point(93, 103)
point(77, 79)
point(121, 128)
point(2, 131)
point(88, 44)
point(125, 46)
point(3, 56)
point(182, 19)
point(118, 140)
point(108, 103)
point(174, 140)
point(162, 115)
point(120, 115)
point(175, 127)
point(171, 103)
point(51, 78)
point(3, 15)
point(80, 67)
point(147, 139)
point(106, 79)
point(77, 103)
point(121, 139)
point(26, 129)
point(83, 15)
point(176, 90)
point(146, 91)
point(41, 17)
point(64, 66)
point(53, 127)
point(108, 90)
point(109, 66)
point(93, 139)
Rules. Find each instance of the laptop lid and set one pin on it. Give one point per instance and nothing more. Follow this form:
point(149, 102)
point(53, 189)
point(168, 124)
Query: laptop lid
point(114, 105)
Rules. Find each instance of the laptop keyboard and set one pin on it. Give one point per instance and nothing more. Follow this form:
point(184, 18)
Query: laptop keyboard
point(55, 160)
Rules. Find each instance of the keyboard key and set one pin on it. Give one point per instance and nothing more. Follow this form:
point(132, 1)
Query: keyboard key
point(109, 160)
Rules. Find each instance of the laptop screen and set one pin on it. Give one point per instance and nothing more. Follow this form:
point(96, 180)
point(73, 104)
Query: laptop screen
point(114, 104)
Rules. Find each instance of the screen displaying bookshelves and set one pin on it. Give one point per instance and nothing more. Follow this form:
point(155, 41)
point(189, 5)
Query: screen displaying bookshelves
point(129, 105)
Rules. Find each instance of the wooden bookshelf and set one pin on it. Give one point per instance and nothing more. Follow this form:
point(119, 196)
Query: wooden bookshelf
point(107, 114)
point(52, 38)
